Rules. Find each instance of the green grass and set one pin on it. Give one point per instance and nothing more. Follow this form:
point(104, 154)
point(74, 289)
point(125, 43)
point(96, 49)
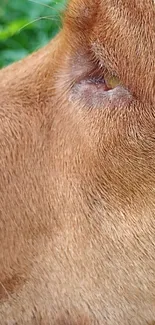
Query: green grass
point(26, 26)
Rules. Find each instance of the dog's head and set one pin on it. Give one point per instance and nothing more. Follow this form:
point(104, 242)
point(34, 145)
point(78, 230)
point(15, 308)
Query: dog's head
point(78, 167)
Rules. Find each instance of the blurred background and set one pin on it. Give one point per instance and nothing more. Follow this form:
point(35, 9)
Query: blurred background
point(27, 25)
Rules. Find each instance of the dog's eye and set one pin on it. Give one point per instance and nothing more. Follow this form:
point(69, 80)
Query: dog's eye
point(111, 81)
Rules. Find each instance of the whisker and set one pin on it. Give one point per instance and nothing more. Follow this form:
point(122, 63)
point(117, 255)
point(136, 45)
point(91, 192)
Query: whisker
point(35, 20)
point(42, 4)
point(58, 12)
point(2, 285)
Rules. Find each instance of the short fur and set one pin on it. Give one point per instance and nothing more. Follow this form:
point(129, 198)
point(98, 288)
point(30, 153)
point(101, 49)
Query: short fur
point(77, 173)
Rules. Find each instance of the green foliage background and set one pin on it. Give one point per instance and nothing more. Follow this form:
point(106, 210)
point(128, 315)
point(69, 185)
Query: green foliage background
point(26, 25)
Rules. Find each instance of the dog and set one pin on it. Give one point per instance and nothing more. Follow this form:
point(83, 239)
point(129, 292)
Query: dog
point(77, 172)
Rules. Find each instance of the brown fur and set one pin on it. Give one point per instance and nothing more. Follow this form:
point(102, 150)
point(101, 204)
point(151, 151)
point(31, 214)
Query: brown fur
point(77, 173)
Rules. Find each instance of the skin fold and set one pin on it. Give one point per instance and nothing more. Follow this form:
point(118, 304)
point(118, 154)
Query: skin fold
point(77, 172)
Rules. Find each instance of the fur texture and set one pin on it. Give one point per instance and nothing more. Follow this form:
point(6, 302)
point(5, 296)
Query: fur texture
point(77, 173)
